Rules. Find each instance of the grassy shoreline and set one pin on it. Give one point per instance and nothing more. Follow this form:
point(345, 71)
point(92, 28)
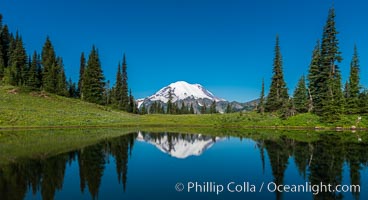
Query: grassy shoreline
point(181, 127)
point(37, 110)
point(16, 145)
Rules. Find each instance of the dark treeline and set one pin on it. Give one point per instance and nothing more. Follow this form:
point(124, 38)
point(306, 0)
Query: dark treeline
point(180, 107)
point(322, 93)
point(45, 72)
point(322, 160)
point(172, 108)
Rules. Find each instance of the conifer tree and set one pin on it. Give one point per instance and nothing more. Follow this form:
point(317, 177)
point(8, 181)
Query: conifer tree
point(329, 93)
point(363, 102)
point(183, 108)
point(39, 71)
point(61, 84)
point(107, 93)
point(82, 67)
point(352, 99)
point(169, 109)
point(313, 78)
point(191, 110)
point(261, 105)
point(132, 106)
point(213, 107)
point(72, 89)
point(278, 94)
point(300, 99)
point(50, 68)
point(143, 109)
point(124, 85)
point(346, 92)
point(204, 108)
point(118, 90)
point(4, 49)
point(175, 109)
point(152, 108)
point(2, 61)
point(288, 109)
point(162, 110)
point(9, 71)
point(33, 81)
point(17, 69)
point(228, 108)
point(93, 79)
point(5, 38)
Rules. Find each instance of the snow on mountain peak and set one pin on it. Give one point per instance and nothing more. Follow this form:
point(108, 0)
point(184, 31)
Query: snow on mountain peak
point(181, 147)
point(181, 90)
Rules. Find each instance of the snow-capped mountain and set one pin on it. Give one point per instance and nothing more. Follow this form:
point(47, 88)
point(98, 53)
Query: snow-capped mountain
point(181, 90)
point(180, 147)
point(191, 95)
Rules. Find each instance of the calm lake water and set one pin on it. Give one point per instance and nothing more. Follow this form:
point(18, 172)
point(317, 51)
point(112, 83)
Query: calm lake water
point(143, 165)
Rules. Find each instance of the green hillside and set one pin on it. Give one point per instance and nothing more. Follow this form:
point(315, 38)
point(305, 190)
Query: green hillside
point(20, 108)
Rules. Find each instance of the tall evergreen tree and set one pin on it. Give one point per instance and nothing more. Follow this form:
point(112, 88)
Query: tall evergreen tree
point(204, 108)
point(82, 67)
point(72, 89)
point(363, 101)
point(124, 84)
point(346, 91)
point(93, 79)
point(169, 109)
point(261, 105)
point(278, 94)
point(313, 78)
point(4, 49)
point(213, 107)
point(352, 100)
point(1, 22)
point(300, 99)
point(152, 108)
point(50, 67)
point(5, 38)
point(2, 61)
point(39, 72)
point(107, 93)
point(143, 109)
point(132, 106)
point(17, 68)
point(228, 108)
point(191, 109)
point(33, 81)
point(61, 84)
point(329, 92)
point(183, 108)
point(118, 90)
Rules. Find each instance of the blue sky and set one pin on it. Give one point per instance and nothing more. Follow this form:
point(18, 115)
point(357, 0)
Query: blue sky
point(225, 45)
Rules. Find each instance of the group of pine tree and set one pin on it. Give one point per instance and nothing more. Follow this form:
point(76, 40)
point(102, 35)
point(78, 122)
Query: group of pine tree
point(322, 93)
point(178, 108)
point(45, 72)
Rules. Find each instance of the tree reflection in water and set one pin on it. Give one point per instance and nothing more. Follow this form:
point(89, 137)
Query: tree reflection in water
point(317, 161)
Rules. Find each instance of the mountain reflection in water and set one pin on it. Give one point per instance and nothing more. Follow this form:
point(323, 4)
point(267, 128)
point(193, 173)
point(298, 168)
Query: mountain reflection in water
point(324, 160)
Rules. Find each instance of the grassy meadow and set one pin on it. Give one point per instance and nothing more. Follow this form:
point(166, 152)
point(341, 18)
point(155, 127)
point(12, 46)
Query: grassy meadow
point(26, 109)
